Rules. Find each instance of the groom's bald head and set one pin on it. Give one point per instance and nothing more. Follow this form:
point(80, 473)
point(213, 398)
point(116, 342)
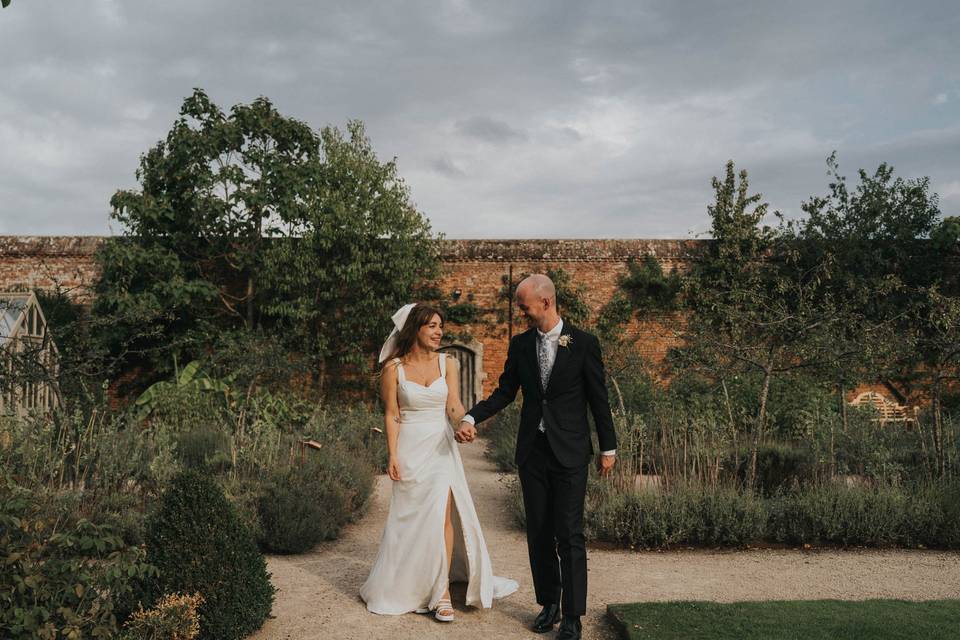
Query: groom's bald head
point(539, 286)
point(537, 301)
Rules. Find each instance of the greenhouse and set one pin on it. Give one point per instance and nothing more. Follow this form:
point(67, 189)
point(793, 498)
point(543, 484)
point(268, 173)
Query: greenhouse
point(29, 356)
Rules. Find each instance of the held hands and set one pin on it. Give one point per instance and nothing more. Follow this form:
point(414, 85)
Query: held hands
point(605, 464)
point(466, 433)
point(393, 469)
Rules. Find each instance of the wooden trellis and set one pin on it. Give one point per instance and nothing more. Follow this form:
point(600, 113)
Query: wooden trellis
point(887, 410)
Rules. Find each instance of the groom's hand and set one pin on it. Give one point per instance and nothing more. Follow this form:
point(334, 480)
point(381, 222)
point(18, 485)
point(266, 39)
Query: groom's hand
point(605, 464)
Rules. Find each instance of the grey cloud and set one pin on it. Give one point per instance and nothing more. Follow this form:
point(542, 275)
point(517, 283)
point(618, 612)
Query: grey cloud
point(596, 118)
point(447, 167)
point(489, 130)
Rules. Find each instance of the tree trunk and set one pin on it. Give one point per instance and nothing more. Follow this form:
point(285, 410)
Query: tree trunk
point(843, 406)
point(833, 451)
point(938, 425)
point(251, 289)
point(923, 447)
point(249, 296)
point(733, 431)
point(761, 417)
point(322, 377)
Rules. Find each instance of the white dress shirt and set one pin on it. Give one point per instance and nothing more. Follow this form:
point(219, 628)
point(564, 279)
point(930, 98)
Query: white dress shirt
point(553, 343)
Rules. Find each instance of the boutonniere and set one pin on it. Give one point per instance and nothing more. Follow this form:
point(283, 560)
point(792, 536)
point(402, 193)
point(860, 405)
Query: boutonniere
point(565, 340)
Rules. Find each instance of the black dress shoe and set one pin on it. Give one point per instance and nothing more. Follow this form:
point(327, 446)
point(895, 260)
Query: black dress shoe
point(549, 616)
point(569, 628)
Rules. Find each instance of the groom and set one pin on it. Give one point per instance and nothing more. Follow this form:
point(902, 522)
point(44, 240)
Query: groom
point(560, 370)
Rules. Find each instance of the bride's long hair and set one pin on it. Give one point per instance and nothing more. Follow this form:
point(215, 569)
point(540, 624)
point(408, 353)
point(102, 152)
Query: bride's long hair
point(420, 315)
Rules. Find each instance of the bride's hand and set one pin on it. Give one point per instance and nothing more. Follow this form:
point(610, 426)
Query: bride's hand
point(393, 469)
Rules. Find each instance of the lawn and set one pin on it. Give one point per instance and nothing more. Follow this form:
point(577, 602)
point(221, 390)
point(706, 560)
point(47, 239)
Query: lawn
point(789, 620)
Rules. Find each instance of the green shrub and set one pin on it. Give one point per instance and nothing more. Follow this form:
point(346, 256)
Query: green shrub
point(516, 503)
point(244, 494)
point(832, 514)
point(298, 510)
point(174, 617)
point(948, 536)
point(884, 515)
point(501, 434)
point(121, 511)
point(780, 467)
point(200, 546)
point(351, 470)
point(204, 448)
point(61, 578)
point(356, 427)
point(682, 515)
point(875, 516)
point(310, 501)
point(876, 451)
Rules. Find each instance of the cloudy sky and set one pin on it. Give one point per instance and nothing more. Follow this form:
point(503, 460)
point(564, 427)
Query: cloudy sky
point(509, 119)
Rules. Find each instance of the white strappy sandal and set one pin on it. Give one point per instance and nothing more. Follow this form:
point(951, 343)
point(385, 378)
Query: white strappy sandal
point(444, 604)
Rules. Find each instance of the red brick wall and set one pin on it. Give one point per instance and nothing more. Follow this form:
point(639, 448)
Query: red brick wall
point(43, 262)
point(476, 267)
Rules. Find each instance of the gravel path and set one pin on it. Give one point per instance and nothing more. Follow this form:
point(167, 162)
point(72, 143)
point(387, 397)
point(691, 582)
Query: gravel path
point(317, 591)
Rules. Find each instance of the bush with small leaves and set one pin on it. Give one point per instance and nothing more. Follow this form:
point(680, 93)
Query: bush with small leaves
point(200, 546)
point(298, 509)
point(312, 500)
point(174, 617)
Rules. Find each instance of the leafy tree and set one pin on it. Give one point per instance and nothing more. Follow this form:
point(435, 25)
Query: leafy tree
point(874, 238)
point(210, 194)
point(885, 248)
point(937, 327)
point(251, 220)
point(946, 235)
point(937, 336)
point(361, 250)
point(754, 308)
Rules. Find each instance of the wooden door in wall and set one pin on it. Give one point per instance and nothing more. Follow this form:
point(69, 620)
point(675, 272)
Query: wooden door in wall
point(468, 372)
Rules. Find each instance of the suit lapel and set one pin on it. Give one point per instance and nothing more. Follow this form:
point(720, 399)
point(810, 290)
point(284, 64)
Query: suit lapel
point(533, 358)
point(563, 354)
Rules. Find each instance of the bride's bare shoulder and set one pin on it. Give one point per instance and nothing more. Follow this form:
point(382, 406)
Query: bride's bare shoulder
point(452, 364)
point(390, 368)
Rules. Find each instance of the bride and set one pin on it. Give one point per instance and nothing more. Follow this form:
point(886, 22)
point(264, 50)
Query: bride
point(432, 534)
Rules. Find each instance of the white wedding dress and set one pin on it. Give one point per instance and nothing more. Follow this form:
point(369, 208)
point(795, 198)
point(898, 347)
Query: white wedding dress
point(411, 571)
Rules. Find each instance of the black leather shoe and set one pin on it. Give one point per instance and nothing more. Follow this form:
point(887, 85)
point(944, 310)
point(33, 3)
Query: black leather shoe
point(549, 616)
point(569, 628)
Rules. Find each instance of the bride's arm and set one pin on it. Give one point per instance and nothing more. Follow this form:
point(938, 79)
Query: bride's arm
point(455, 410)
point(391, 416)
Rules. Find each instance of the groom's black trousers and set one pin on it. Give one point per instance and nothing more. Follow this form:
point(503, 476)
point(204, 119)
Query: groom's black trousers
point(553, 500)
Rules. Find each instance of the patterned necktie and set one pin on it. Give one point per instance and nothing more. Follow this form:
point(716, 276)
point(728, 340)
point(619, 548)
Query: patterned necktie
point(543, 356)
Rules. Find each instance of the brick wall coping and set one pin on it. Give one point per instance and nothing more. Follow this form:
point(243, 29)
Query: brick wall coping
point(20, 246)
point(591, 250)
point(452, 250)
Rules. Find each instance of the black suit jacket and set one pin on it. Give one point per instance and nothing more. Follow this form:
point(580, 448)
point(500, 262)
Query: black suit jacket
point(576, 382)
